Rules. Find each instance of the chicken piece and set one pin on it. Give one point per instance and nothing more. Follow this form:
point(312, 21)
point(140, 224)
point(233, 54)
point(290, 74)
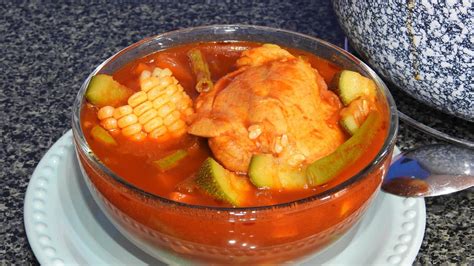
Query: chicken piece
point(261, 55)
point(274, 103)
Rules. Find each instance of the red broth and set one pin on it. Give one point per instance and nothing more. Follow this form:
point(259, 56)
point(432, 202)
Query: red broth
point(133, 160)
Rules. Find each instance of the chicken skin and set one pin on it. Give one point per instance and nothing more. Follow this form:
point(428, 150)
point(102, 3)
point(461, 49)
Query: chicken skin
point(274, 103)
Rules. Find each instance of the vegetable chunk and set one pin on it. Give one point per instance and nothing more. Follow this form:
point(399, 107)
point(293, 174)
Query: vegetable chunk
point(201, 71)
point(328, 167)
point(101, 135)
point(266, 171)
point(171, 160)
point(222, 184)
point(158, 111)
point(103, 90)
point(350, 85)
point(358, 94)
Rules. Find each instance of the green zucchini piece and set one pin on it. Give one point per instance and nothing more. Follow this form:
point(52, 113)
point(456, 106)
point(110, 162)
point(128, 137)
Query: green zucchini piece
point(100, 134)
point(354, 115)
point(103, 90)
point(350, 85)
point(222, 184)
point(266, 172)
point(171, 160)
point(326, 168)
point(201, 71)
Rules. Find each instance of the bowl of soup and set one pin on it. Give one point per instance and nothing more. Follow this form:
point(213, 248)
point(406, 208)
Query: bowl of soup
point(233, 143)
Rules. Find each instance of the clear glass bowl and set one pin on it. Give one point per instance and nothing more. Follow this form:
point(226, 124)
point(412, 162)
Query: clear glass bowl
point(265, 234)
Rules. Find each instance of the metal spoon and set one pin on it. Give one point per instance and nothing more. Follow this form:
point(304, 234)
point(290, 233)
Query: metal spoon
point(431, 170)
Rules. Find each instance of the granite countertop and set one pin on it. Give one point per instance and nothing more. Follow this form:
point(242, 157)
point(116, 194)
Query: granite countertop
point(49, 49)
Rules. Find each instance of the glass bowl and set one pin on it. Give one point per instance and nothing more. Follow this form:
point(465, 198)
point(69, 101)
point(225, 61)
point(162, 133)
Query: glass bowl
point(172, 230)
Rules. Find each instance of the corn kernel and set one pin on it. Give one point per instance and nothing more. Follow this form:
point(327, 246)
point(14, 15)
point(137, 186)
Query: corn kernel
point(152, 124)
point(154, 93)
point(175, 98)
point(147, 116)
point(171, 118)
point(131, 130)
point(161, 73)
point(127, 120)
point(166, 73)
point(139, 136)
point(137, 98)
point(145, 74)
point(160, 101)
point(142, 108)
point(171, 89)
point(164, 82)
point(158, 72)
point(109, 123)
point(165, 109)
point(105, 112)
point(176, 125)
point(158, 132)
point(122, 111)
point(149, 83)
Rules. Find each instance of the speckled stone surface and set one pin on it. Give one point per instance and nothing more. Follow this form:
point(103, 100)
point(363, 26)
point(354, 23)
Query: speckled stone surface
point(49, 49)
point(426, 47)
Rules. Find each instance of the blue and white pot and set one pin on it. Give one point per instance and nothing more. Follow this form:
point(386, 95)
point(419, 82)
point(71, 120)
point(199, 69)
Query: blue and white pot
point(424, 47)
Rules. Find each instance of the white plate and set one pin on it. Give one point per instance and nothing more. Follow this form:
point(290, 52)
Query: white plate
point(65, 226)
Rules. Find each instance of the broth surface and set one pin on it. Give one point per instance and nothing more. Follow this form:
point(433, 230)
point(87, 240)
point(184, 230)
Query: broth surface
point(133, 160)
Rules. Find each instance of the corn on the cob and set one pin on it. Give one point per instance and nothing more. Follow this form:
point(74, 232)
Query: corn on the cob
point(158, 111)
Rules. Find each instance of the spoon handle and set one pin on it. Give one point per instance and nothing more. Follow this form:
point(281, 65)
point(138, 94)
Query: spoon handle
point(435, 133)
point(446, 184)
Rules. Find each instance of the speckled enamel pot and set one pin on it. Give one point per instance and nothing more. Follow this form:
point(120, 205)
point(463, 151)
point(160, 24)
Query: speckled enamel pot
point(424, 47)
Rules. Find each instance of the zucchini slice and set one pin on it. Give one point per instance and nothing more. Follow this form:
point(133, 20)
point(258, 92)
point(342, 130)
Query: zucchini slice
point(350, 85)
point(103, 90)
point(266, 172)
point(222, 184)
point(101, 135)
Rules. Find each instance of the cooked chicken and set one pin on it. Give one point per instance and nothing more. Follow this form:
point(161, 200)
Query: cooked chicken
point(274, 103)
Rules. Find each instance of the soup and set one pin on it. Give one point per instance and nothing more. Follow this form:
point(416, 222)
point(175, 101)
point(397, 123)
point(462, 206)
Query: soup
point(139, 160)
point(247, 100)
